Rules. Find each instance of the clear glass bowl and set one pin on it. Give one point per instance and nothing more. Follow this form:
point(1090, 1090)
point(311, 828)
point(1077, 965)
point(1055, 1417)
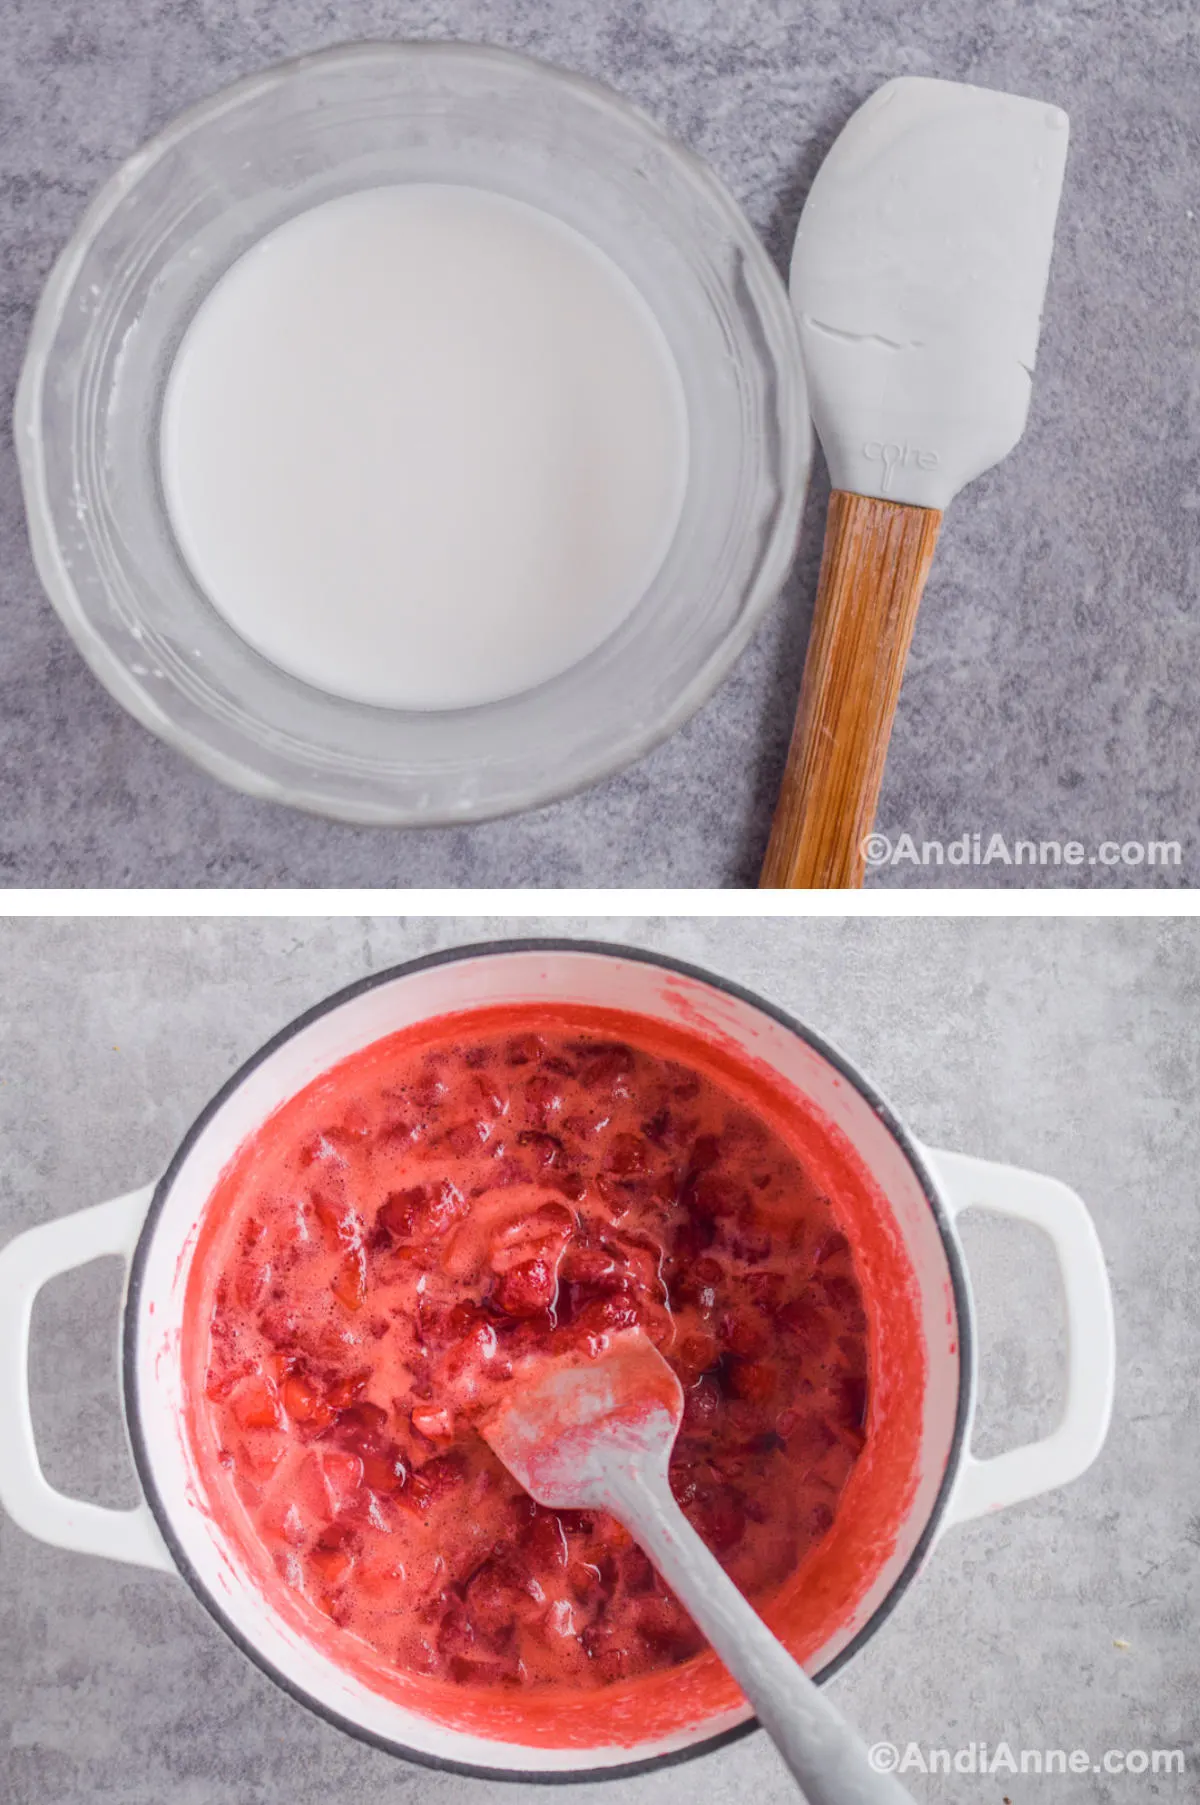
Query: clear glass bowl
point(170, 223)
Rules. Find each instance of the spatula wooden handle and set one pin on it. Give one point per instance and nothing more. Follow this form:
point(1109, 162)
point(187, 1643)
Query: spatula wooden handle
point(877, 556)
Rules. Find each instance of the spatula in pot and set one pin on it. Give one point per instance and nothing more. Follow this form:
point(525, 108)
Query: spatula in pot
point(918, 277)
point(596, 1434)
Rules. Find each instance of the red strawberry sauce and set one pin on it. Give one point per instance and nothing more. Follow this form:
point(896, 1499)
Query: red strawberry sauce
point(384, 1250)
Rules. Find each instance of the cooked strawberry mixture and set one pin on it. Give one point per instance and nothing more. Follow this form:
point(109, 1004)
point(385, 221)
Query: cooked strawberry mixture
point(400, 1235)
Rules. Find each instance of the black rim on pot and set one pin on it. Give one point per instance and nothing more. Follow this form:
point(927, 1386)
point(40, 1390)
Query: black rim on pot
point(490, 949)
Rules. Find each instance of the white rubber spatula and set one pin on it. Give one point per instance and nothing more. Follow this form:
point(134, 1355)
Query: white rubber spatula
point(597, 1435)
point(918, 277)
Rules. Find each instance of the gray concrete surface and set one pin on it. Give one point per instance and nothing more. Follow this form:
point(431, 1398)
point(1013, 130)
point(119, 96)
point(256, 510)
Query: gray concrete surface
point(1049, 694)
point(1068, 1622)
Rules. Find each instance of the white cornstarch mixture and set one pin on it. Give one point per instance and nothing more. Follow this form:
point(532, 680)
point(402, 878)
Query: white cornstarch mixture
point(424, 446)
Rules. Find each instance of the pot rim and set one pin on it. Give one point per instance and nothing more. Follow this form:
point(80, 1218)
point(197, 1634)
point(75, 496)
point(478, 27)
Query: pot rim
point(605, 949)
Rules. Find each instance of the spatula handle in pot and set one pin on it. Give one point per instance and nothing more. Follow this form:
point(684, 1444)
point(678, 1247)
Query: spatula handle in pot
point(876, 559)
point(823, 1750)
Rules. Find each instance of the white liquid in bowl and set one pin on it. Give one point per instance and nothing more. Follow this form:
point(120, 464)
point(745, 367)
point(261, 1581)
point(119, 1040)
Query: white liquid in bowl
point(424, 446)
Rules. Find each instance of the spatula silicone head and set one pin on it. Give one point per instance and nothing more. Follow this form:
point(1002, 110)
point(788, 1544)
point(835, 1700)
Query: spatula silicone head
point(918, 278)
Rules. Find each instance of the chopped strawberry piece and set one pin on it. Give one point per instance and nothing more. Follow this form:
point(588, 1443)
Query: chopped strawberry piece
point(284, 1522)
point(628, 1155)
point(544, 1541)
point(347, 1389)
point(341, 1476)
point(253, 1282)
point(608, 1071)
point(332, 1565)
point(526, 1290)
point(349, 1283)
point(767, 1289)
point(466, 1138)
point(741, 1333)
point(422, 1212)
point(607, 1646)
point(587, 1584)
point(819, 1520)
point(301, 1401)
point(220, 1382)
point(585, 1125)
point(685, 1083)
point(545, 1148)
point(466, 1670)
point(334, 1605)
point(400, 1213)
point(490, 1094)
point(434, 1422)
point(808, 1324)
point(543, 1098)
point(830, 1247)
point(428, 1091)
point(385, 1472)
point(496, 1593)
point(460, 1319)
point(400, 1132)
point(701, 1405)
point(756, 1381)
point(282, 1327)
point(850, 1400)
point(320, 1150)
point(637, 1574)
point(697, 1354)
point(659, 1129)
point(719, 1516)
point(668, 1628)
point(705, 1154)
point(601, 1318)
point(255, 1404)
point(689, 1240)
point(836, 1466)
point(261, 1452)
point(383, 1577)
point(338, 1219)
point(248, 1489)
point(557, 1627)
point(712, 1196)
point(551, 1224)
point(808, 1436)
point(595, 1269)
point(360, 1431)
point(436, 1480)
point(749, 1243)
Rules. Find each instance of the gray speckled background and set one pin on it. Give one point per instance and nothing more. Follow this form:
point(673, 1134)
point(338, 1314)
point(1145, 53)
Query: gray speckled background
point(1069, 1047)
point(1050, 690)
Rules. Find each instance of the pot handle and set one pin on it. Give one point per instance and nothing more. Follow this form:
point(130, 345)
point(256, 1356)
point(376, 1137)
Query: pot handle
point(27, 1263)
point(1041, 1466)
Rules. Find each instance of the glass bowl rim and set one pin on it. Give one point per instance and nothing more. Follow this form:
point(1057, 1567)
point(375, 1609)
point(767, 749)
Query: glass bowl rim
point(203, 749)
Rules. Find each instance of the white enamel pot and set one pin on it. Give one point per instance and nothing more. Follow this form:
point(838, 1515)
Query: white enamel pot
point(924, 1190)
